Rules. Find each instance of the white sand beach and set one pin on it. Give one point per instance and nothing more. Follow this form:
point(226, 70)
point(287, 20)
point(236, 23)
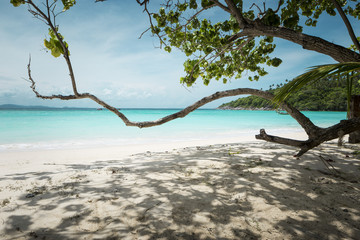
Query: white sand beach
point(245, 190)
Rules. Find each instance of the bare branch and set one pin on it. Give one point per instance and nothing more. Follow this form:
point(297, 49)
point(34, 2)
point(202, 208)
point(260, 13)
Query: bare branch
point(269, 138)
point(257, 6)
point(150, 20)
point(347, 24)
point(65, 49)
point(322, 135)
point(33, 87)
point(260, 12)
point(327, 163)
point(143, 33)
point(139, 2)
point(278, 8)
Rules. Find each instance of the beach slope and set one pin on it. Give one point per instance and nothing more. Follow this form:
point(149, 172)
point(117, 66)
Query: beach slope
point(249, 190)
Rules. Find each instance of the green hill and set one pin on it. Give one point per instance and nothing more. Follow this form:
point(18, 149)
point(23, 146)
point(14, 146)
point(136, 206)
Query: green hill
point(324, 95)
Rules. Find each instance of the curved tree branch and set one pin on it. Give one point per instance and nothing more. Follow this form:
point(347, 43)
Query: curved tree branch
point(339, 53)
point(305, 122)
point(316, 134)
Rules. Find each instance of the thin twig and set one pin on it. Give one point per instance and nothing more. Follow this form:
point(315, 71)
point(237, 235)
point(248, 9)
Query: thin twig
point(327, 164)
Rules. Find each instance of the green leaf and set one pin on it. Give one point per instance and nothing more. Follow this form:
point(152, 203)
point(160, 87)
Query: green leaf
point(291, 22)
point(167, 48)
point(155, 30)
point(271, 18)
point(68, 4)
point(47, 44)
point(54, 45)
point(275, 62)
point(162, 11)
point(182, 7)
point(17, 3)
point(55, 52)
point(309, 22)
point(206, 3)
point(193, 4)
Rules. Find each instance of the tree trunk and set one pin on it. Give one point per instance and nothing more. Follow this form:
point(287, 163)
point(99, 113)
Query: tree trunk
point(354, 137)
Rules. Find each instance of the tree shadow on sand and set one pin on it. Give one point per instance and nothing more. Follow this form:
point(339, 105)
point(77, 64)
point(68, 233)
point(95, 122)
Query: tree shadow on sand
point(252, 191)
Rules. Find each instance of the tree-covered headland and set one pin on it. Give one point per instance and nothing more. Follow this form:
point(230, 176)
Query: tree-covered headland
point(327, 94)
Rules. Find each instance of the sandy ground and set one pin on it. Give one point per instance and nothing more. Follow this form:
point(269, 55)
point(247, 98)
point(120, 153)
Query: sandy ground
point(248, 190)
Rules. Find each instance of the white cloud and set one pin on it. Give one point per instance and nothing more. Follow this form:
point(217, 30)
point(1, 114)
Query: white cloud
point(107, 91)
point(7, 94)
point(133, 94)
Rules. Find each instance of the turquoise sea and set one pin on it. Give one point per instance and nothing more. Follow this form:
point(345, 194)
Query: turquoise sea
point(58, 128)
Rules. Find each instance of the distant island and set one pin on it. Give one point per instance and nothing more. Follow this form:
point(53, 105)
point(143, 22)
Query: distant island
point(15, 106)
point(324, 95)
point(19, 107)
point(39, 107)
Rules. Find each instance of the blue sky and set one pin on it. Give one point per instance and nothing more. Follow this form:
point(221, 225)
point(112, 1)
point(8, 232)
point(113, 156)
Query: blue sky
point(111, 61)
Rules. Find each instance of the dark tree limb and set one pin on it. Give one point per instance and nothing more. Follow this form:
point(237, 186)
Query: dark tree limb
point(236, 13)
point(339, 53)
point(326, 134)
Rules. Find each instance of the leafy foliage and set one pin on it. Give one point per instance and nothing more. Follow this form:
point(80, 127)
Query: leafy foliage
point(327, 94)
point(66, 3)
point(215, 49)
point(17, 3)
point(212, 54)
point(216, 46)
point(54, 45)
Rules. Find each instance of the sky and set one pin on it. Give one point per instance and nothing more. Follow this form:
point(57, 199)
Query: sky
point(111, 62)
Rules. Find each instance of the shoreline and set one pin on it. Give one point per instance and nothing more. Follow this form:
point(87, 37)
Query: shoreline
point(269, 109)
point(240, 136)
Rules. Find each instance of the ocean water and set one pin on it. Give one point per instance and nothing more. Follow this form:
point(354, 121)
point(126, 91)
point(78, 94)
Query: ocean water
point(58, 128)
